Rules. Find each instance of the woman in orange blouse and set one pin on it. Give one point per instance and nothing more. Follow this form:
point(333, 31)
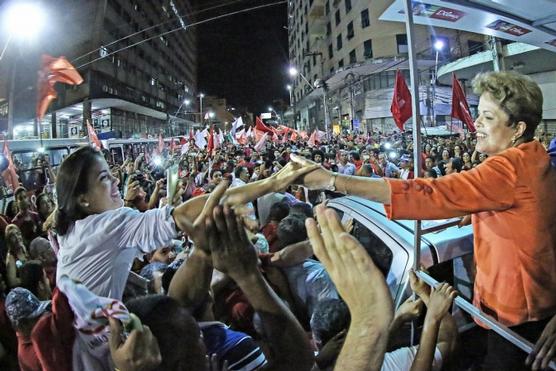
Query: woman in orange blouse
point(512, 199)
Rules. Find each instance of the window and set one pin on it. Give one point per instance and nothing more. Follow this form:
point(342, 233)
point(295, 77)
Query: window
point(327, 7)
point(348, 6)
point(365, 22)
point(376, 248)
point(341, 63)
point(368, 49)
point(330, 51)
point(475, 46)
point(339, 42)
point(338, 19)
point(352, 57)
point(350, 32)
point(401, 40)
point(328, 28)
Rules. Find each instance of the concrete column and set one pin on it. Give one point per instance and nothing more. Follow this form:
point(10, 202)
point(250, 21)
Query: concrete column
point(53, 133)
point(87, 114)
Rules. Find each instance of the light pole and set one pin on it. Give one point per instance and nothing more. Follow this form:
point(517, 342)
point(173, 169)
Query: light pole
point(201, 96)
point(23, 20)
point(438, 46)
point(294, 72)
point(350, 77)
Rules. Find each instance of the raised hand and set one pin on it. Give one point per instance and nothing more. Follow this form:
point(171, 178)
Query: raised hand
point(441, 299)
point(138, 352)
point(232, 252)
point(410, 310)
point(545, 348)
point(318, 178)
point(196, 230)
point(289, 173)
point(358, 280)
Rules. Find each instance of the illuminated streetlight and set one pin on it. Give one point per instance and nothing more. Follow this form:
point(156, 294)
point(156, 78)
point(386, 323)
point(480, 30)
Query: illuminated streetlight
point(270, 109)
point(438, 45)
point(24, 19)
point(187, 102)
point(293, 71)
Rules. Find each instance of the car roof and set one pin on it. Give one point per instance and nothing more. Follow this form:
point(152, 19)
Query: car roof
point(449, 243)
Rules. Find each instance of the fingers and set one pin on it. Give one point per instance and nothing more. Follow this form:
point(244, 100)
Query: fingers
point(115, 333)
point(231, 224)
point(316, 241)
point(213, 200)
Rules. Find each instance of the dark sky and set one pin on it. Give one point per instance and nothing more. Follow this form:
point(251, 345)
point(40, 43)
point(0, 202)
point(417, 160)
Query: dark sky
point(244, 57)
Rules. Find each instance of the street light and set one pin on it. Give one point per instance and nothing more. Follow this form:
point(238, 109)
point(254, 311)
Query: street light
point(201, 96)
point(23, 19)
point(438, 46)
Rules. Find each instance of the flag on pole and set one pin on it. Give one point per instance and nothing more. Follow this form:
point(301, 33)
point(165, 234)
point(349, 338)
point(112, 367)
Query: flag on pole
point(210, 145)
point(312, 142)
point(261, 143)
point(401, 101)
point(10, 174)
point(236, 125)
point(160, 143)
point(250, 133)
point(53, 70)
point(294, 136)
point(460, 108)
point(200, 140)
point(93, 138)
point(259, 125)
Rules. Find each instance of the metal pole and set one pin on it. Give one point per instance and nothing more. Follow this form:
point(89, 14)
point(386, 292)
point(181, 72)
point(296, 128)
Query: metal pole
point(11, 100)
point(325, 106)
point(413, 71)
point(201, 107)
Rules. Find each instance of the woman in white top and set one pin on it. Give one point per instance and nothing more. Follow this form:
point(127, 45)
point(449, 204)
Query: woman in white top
point(98, 238)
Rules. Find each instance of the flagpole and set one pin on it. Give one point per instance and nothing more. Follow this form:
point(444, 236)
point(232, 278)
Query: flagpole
point(413, 71)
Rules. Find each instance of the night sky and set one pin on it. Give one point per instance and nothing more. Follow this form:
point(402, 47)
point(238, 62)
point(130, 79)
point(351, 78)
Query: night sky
point(244, 57)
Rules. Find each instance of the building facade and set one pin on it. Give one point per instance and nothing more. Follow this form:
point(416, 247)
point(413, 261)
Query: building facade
point(346, 45)
point(133, 85)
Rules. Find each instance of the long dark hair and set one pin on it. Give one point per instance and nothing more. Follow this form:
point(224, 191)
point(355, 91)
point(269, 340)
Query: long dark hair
point(71, 182)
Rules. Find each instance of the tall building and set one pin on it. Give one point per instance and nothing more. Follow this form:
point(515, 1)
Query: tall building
point(131, 86)
point(343, 43)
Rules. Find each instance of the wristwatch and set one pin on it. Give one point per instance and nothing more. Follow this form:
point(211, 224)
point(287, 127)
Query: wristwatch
point(332, 184)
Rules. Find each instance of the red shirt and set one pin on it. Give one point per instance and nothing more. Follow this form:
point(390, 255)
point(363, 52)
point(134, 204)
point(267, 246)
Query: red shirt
point(51, 343)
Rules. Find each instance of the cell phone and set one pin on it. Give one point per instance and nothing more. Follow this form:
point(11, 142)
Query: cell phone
point(172, 179)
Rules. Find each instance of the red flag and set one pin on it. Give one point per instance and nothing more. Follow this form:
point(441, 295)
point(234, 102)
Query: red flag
point(401, 102)
point(93, 136)
point(10, 174)
point(312, 139)
point(210, 145)
point(53, 70)
point(191, 136)
point(160, 143)
point(259, 125)
point(460, 108)
point(260, 145)
point(303, 134)
point(294, 136)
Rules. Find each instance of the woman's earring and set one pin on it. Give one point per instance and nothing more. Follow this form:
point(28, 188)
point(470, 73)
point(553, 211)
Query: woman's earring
point(85, 204)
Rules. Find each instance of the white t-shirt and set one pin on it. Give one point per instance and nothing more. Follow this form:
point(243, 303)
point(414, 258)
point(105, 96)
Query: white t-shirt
point(402, 359)
point(99, 250)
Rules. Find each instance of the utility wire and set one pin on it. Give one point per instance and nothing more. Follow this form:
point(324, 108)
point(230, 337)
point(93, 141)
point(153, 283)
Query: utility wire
point(158, 25)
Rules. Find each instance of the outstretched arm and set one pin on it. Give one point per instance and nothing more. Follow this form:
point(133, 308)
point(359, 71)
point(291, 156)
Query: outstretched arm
point(360, 283)
point(191, 283)
point(234, 255)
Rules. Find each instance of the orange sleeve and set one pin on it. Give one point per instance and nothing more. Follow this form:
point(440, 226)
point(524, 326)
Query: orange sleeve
point(489, 186)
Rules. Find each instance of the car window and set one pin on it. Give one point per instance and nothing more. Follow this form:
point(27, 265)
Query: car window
point(375, 247)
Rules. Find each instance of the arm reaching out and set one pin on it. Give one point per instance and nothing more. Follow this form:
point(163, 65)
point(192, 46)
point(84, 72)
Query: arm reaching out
point(360, 283)
point(233, 254)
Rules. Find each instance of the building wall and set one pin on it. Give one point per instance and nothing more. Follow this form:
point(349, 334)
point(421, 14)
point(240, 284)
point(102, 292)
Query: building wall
point(313, 28)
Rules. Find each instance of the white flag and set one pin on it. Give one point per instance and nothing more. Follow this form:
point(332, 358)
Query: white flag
point(200, 140)
point(238, 123)
point(260, 145)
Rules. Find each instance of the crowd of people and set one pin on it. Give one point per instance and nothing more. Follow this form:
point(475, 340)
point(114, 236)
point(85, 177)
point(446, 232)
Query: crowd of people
point(242, 266)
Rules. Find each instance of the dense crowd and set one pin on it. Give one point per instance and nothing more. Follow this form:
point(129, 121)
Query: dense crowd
point(241, 266)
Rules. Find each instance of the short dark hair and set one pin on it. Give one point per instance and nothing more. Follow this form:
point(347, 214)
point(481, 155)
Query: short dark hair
point(71, 182)
point(18, 191)
point(291, 230)
point(238, 170)
point(31, 274)
point(278, 211)
point(330, 317)
point(302, 210)
point(175, 330)
point(457, 164)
